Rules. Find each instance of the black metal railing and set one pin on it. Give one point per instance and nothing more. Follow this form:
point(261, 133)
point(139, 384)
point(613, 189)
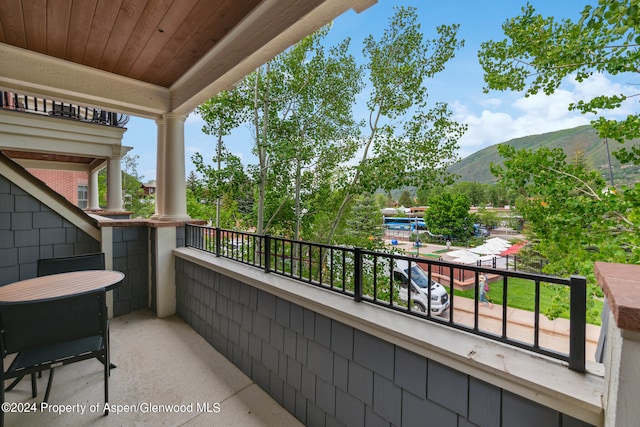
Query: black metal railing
point(34, 105)
point(383, 279)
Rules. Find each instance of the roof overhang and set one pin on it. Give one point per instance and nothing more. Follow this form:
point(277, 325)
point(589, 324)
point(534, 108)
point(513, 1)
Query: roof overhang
point(264, 32)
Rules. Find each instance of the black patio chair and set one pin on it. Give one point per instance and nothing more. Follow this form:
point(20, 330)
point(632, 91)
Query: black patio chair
point(48, 266)
point(48, 333)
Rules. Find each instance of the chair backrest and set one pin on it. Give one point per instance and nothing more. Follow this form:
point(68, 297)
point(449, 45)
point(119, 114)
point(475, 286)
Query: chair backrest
point(33, 324)
point(48, 266)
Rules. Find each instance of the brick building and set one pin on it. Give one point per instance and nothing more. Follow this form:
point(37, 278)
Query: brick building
point(72, 185)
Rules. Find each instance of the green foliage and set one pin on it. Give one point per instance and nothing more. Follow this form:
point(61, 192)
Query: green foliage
point(322, 206)
point(133, 198)
point(539, 52)
point(417, 153)
point(300, 105)
point(488, 218)
point(572, 218)
point(198, 208)
point(102, 187)
point(448, 215)
point(222, 114)
point(475, 192)
point(381, 200)
point(363, 225)
point(405, 199)
point(306, 139)
point(226, 181)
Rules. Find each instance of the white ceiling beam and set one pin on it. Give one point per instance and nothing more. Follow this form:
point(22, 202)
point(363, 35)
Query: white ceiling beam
point(40, 75)
point(244, 49)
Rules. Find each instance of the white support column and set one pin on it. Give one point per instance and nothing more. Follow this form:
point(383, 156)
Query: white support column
point(165, 274)
point(114, 183)
point(94, 202)
point(173, 192)
point(160, 167)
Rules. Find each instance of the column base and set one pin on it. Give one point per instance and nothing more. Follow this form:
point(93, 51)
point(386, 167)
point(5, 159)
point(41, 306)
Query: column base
point(176, 217)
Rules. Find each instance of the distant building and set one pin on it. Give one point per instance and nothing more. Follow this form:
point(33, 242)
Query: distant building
point(72, 185)
point(149, 188)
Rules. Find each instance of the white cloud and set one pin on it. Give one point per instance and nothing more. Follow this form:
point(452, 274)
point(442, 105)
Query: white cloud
point(497, 120)
point(194, 119)
point(490, 102)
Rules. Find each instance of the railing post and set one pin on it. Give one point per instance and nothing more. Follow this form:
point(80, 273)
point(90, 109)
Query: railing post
point(577, 322)
point(188, 238)
point(267, 253)
point(217, 241)
point(357, 274)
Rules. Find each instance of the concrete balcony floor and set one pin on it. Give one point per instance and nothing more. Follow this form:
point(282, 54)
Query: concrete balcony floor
point(159, 362)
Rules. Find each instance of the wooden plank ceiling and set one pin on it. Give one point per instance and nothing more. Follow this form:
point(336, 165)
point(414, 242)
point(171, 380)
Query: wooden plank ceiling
point(185, 50)
point(152, 41)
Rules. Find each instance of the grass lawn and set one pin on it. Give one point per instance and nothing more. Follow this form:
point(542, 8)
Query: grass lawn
point(522, 296)
point(424, 255)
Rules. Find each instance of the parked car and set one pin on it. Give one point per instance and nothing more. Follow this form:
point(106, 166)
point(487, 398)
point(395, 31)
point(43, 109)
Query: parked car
point(480, 231)
point(420, 288)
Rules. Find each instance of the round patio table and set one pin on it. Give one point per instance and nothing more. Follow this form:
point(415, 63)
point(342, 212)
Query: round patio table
point(60, 285)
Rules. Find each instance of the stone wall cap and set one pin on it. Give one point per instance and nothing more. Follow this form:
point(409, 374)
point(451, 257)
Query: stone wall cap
point(621, 285)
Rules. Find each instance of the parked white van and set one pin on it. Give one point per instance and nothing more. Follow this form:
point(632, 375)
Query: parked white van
point(419, 288)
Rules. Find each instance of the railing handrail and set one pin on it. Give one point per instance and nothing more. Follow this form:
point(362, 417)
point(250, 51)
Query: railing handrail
point(53, 108)
point(262, 251)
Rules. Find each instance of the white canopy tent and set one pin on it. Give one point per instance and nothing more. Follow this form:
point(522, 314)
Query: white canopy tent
point(464, 256)
point(493, 246)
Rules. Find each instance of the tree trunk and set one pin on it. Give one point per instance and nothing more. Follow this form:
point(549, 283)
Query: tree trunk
point(218, 184)
point(349, 195)
point(296, 234)
point(261, 141)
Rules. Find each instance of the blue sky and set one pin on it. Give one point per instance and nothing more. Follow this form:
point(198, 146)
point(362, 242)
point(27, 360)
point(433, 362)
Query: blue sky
point(492, 118)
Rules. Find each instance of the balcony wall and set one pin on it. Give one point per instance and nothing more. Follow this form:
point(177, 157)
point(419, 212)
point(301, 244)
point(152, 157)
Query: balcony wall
point(30, 230)
point(131, 256)
point(330, 360)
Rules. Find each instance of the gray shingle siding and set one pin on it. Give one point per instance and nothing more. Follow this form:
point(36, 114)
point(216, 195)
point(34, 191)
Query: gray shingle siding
point(327, 373)
point(131, 256)
point(29, 230)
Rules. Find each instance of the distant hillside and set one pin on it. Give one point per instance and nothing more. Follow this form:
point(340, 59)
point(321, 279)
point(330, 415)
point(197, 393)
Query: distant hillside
point(475, 168)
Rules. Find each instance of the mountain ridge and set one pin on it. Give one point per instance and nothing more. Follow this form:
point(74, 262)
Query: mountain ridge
point(475, 168)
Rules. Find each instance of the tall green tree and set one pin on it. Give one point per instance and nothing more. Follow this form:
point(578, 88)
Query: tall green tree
point(475, 191)
point(405, 199)
point(317, 125)
point(539, 52)
point(303, 122)
point(364, 225)
point(575, 218)
point(222, 113)
point(448, 215)
point(418, 153)
point(572, 218)
point(225, 178)
point(133, 197)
